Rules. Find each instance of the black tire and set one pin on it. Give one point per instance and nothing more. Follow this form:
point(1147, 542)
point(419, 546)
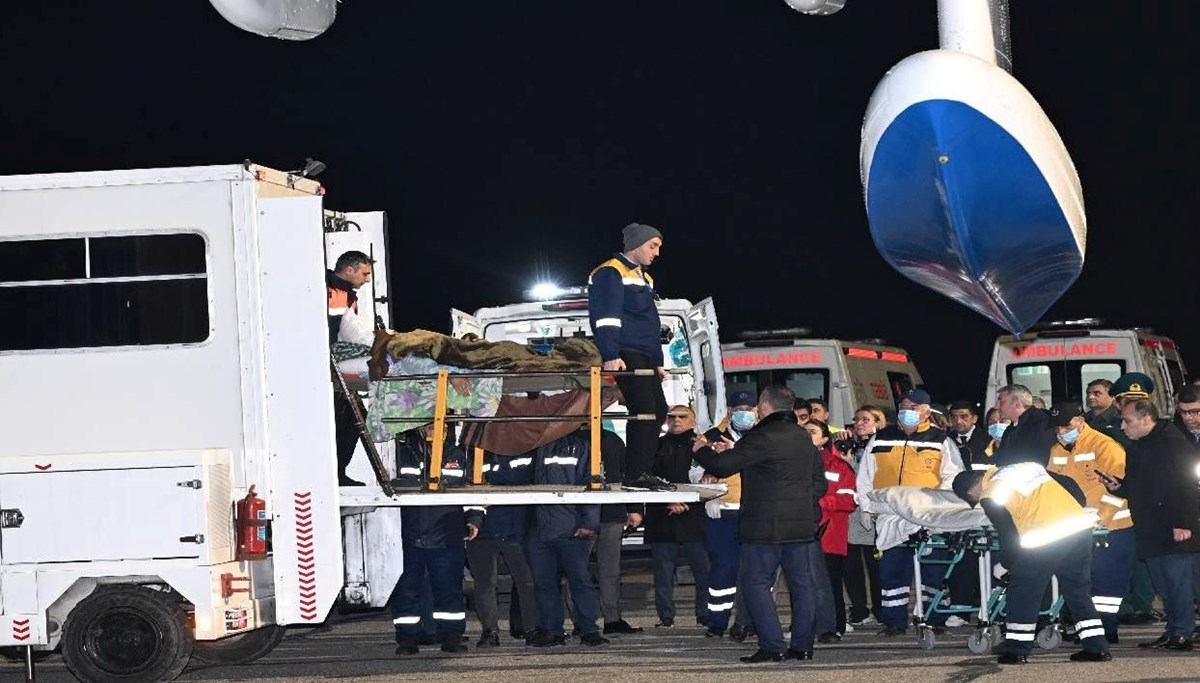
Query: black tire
point(16, 653)
point(127, 633)
point(239, 649)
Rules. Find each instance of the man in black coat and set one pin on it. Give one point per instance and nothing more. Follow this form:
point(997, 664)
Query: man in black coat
point(782, 474)
point(1030, 437)
point(1160, 485)
point(672, 527)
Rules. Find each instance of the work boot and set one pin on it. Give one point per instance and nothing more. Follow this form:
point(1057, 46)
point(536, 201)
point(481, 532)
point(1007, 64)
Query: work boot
point(343, 480)
point(762, 656)
point(737, 633)
point(620, 626)
point(594, 639)
point(453, 644)
point(828, 637)
point(648, 482)
point(1179, 643)
point(804, 656)
point(714, 632)
point(1156, 643)
point(1086, 656)
point(1012, 658)
point(546, 639)
point(489, 638)
point(407, 647)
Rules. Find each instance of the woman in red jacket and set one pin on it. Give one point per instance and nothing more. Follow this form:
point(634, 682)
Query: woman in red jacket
point(836, 506)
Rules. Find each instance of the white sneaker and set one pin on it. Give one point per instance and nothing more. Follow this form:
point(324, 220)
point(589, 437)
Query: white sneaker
point(955, 621)
point(866, 621)
point(849, 628)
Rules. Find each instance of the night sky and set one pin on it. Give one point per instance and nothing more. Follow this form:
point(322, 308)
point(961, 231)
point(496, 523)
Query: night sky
point(512, 140)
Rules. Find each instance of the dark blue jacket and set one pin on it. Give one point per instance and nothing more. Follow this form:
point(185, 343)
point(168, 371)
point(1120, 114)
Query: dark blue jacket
point(622, 310)
point(437, 526)
point(507, 522)
point(563, 463)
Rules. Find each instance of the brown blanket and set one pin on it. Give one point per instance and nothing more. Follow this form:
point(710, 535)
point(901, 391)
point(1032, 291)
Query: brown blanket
point(516, 438)
point(478, 354)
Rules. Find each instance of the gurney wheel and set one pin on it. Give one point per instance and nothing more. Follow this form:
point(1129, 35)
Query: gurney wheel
point(997, 634)
point(926, 638)
point(980, 641)
point(1049, 638)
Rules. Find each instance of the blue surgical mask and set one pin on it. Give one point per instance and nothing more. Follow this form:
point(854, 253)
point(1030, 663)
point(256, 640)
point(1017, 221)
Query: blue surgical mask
point(996, 431)
point(1069, 438)
point(908, 418)
point(742, 420)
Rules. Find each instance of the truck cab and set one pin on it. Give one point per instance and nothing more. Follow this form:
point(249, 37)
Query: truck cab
point(1057, 360)
point(691, 346)
point(844, 374)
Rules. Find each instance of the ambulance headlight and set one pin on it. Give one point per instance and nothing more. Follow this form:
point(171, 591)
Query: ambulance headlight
point(544, 291)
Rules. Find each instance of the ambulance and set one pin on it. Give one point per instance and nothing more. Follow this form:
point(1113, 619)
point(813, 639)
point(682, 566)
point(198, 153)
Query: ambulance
point(1057, 361)
point(844, 374)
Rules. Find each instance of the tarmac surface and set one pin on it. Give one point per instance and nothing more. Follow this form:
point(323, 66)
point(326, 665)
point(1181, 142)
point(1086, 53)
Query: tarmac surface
point(360, 647)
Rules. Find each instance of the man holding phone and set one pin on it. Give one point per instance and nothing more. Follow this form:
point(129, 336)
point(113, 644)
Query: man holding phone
point(1090, 458)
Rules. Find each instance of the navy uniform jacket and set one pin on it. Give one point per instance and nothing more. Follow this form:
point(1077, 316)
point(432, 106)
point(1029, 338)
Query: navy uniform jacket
point(622, 310)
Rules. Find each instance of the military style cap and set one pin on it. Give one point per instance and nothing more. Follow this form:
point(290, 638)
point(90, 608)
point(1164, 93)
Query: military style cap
point(1132, 385)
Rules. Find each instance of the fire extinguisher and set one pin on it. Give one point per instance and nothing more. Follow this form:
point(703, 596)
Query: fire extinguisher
point(251, 521)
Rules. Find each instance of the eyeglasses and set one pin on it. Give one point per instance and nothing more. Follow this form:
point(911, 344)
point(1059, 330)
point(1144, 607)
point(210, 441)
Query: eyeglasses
point(864, 418)
point(1190, 413)
point(678, 417)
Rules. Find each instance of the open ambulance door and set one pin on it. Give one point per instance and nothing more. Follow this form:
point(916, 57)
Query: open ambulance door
point(705, 346)
point(462, 323)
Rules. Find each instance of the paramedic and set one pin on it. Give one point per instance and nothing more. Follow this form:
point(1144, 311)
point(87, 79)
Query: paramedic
point(1044, 532)
point(628, 332)
point(912, 453)
point(351, 271)
point(721, 534)
point(1080, 453)
point(780, 471)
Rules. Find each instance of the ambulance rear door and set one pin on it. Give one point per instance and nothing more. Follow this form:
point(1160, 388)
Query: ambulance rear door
point(1059, 366)
point(365, 232)
point(876, 375)
point(1163, 364)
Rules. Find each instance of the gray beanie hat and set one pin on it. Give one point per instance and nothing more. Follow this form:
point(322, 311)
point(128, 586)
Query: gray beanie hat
point(636, 234)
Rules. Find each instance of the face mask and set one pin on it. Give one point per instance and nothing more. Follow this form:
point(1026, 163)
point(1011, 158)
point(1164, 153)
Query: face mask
point(742, 420)
point(996, 431)
point(1069, 438)
point(908, 418)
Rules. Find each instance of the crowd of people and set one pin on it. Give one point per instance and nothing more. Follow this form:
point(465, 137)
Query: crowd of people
point(1046, 477)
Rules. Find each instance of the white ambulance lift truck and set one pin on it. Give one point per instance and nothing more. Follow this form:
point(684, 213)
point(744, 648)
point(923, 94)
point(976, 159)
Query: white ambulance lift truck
point(164, 350)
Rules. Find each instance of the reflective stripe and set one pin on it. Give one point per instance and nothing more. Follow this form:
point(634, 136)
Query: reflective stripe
point(452, 473)
point(563, 460)
point(519, 462)
point(1105, 600)
point(338, 311)
point(894, 603)
point(980, 468)
point(410, 470)
point(894, 591)
point(1085, 457)
point(721, 592)
point(1091, 633)
point(1022, 627)
point(1112, 500)
point(730, 506)
point(406, 620)
point(721, 607)
point(1019, 637)
point(633, 281)
point(1108, 609)
point(831, 476)
point(1060, 460)
point(849, 492)
point(475, 507)
point(1122, 514)
point(1088, 623)
point(450, 616)
point(608, 322)
point(488, 468)
point(1037, 538)
point(928, 445)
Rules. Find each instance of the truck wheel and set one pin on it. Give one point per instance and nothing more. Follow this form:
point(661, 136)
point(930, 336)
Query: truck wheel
point(16, 653)
point(127, 633)
point(239, 649)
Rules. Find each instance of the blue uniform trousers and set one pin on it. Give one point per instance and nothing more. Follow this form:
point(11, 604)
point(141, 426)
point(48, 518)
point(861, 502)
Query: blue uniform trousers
point(430, 571)
point(896, 580)
point(548, 560)
point(759, 563)
point(722, 542)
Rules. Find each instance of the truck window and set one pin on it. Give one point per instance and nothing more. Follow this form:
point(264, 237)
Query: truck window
point(1063, 381)
point(807, 383)
point(103, 291)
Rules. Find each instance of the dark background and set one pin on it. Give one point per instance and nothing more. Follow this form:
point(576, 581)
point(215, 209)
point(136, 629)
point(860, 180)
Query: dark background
point(510, 141)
